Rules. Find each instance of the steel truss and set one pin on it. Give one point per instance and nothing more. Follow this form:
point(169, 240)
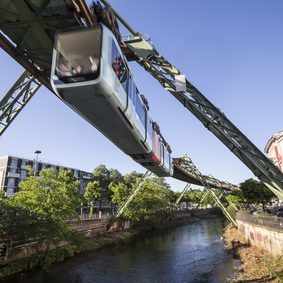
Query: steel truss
point(209, 115)
point(16, 99)
point(128, 200)
point(182, 194)
point(208, 190)
point(181, 165)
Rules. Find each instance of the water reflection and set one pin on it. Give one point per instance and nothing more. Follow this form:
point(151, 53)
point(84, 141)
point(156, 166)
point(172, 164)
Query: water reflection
point(190, 253)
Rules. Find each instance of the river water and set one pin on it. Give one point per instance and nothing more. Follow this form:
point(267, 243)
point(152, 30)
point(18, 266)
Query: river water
point(189, 253)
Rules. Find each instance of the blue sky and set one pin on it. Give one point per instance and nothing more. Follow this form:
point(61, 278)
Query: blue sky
point(230, 50)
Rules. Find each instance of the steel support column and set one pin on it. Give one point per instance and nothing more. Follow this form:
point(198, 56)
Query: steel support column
point(209, 190)
point(182, 194)
point(16, 99)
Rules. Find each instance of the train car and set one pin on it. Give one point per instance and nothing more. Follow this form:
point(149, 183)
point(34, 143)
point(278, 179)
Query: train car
point(90, 73)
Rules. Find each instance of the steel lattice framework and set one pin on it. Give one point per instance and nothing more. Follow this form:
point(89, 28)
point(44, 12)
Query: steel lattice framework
point(16, 99)
point(29, 27)
point(208, 114)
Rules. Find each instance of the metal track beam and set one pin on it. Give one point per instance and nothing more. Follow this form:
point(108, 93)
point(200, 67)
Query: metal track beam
point(209, 190)
point(16, 99)
point(17, 55)
point(209, 115)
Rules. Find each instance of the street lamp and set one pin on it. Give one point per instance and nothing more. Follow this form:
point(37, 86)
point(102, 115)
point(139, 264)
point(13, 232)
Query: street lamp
point(37, 152)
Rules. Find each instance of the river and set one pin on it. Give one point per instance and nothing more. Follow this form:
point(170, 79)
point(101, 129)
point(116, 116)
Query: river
point(188, 253)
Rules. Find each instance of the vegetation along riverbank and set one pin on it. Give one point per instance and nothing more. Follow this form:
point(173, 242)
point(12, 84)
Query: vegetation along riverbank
point(36, 227)
point(257, 265)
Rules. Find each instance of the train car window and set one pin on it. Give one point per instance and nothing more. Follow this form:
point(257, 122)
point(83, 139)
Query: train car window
point(161, 153)
point(155, 144)
point(132, 91)
point(78, 55)
point(166, 159)
point(148, 126)
point(119, 67)
point(140, 110)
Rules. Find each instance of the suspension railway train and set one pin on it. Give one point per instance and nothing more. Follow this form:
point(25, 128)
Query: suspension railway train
point(90, 73)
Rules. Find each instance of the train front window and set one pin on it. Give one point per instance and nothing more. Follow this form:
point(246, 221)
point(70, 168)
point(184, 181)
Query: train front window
point(78, 55)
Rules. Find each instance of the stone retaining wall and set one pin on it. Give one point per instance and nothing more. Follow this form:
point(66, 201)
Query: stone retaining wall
point(262, 233)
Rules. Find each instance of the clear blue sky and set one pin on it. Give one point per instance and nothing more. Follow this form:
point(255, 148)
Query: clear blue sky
point(230, 50)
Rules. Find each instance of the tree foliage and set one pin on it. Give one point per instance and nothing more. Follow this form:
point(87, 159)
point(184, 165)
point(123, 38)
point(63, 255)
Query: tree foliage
point(255, 192)
point(92, 193)
point(42, 204)
point(151, 203)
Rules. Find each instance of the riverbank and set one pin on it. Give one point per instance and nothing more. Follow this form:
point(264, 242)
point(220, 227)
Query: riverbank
point(191, 252)
point(44, 259)
point(257, 265)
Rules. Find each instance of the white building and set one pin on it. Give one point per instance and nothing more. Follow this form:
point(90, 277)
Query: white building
point(14, 169)
point(274, 149)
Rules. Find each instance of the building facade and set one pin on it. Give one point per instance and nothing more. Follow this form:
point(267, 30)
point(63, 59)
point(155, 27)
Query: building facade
point(14, 169)
point(274, 149)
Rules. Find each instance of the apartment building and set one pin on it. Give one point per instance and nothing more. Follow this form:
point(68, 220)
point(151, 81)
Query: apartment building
point(14, 169)
point(274, 149)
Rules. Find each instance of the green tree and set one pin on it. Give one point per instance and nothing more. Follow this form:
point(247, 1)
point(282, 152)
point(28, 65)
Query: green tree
point(255, 192)
point(115, 176)
point(45, 202)
point(102, 175)
point(92, 193)
point(151, 204)
point(131, 179)
point(193, 196)
point(236, 198)
point(2, 194)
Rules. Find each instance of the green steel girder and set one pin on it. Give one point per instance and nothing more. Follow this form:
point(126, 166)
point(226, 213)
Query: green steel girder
point(208, 189)
point(209, 115)
point(31, 26)
point(182, 194)
point(16, 99)
point(184, 172)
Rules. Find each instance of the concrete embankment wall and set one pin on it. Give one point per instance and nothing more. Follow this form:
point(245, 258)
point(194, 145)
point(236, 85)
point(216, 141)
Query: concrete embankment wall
point(263, 232)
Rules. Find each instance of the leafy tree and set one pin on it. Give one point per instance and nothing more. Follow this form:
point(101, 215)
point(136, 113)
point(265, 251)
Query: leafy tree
point(236, 198)
point(151, 203)
point(193, 196)
point(2, 194)
point(115, 176)
point(92, 193)
point(256, 192)
point(44, 203)
point(102, 174)
point(131, 179)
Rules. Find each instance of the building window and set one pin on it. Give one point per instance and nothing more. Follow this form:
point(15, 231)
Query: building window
point(14, 163)
point(11, 182)
point(23, 174)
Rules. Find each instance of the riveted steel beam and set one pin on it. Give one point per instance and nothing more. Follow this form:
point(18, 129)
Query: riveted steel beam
point(209, 115)
point(208, 189)
point(16, 99)
point(182, 194)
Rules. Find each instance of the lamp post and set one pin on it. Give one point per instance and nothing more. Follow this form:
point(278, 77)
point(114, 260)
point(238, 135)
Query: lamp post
point(37, 152)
